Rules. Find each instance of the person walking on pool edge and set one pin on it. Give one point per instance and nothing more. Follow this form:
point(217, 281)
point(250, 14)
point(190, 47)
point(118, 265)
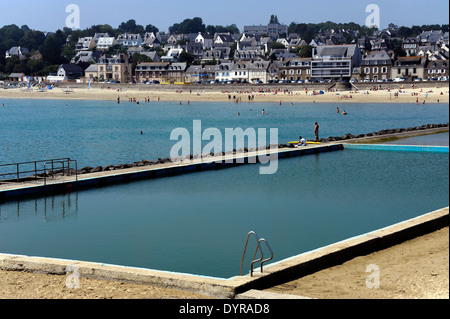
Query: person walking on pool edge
point(316, 132)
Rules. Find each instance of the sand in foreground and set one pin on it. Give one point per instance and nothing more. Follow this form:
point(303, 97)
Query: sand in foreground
point(416, 269)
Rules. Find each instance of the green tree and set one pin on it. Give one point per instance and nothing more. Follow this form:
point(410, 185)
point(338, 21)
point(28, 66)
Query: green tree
point(36, 67)
point(277, 45)
point(194, 25)
point(186, 57)
point(151, 28)
point(52, 48)
point(306, 51)
point(274, 19)
point(32, 40)
point(131, 27)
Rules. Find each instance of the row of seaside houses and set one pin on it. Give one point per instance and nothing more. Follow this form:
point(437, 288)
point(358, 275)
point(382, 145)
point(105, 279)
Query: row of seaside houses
point(328, 62)
point(335, 62)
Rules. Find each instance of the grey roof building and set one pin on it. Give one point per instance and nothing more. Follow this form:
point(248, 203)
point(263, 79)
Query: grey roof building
point(273, 30)
point(17, 51)
point(70, 71)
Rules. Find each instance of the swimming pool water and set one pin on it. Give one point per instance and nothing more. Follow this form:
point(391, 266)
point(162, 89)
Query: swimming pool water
point(197, 223)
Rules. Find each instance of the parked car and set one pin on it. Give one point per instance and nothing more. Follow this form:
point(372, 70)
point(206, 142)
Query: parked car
point(399, 79)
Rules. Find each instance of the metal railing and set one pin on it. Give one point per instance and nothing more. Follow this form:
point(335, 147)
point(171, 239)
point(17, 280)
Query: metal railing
point(19, 172)
point(258, 247)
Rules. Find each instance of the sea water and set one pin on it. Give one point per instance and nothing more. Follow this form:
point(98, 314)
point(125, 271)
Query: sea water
point(197, 223)
point(102, 133)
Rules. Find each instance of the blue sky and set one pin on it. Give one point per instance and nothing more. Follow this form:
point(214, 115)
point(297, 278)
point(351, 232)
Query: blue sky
point(50, 15)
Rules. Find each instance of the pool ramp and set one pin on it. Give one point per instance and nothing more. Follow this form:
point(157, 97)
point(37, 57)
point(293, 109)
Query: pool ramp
point(397, 148)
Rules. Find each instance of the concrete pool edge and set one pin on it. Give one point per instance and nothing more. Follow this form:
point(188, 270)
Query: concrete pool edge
point(340, 252)
point(276, 273)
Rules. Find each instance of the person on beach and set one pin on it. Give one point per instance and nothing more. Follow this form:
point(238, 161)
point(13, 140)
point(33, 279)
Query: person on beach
point(316, 131)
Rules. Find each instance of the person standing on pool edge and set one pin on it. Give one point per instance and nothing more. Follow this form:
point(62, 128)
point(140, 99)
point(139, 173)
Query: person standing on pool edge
point(316, 131)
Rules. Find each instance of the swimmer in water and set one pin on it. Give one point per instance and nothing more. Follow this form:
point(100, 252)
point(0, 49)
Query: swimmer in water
point(344, 113)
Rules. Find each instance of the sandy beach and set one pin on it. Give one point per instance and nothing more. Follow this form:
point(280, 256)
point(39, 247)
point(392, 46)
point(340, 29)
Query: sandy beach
point(221, 93)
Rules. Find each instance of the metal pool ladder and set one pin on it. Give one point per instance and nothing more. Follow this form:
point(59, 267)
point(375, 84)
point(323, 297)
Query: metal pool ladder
point(258, 247)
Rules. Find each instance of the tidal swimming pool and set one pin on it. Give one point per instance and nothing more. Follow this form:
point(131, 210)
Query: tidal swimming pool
point(197, 223)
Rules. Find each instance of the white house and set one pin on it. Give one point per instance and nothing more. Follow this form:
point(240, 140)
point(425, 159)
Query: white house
point(241, 71)
point(66, 72)
point(223, 39)
point(172, 55)
point(258, 71)
point(85, 44)
point(223, 72)
point(205, 39)
point(335, 61)
point(129, 40)
point(17, 51)
point(104, 43)
point(284, 42)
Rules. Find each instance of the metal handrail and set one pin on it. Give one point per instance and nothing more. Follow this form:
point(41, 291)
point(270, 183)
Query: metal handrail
point(258, 247)
point(19, 170)
point(271, 253)
point(60, 162)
